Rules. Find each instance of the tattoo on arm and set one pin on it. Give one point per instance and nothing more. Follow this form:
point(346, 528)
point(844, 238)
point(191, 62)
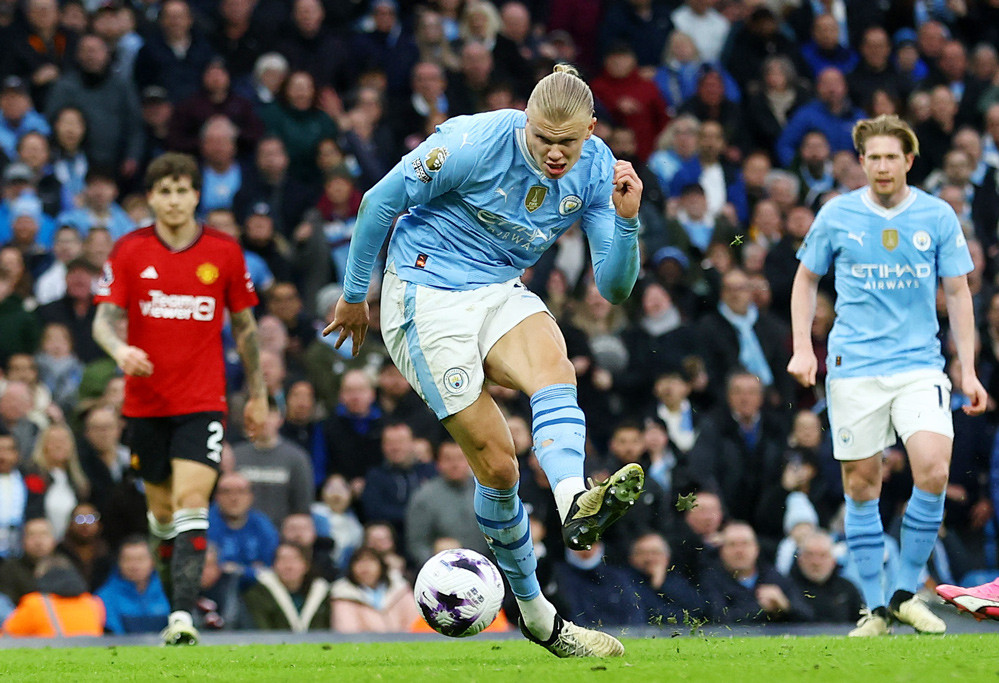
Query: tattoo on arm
point(244, 329)
point(106, 318)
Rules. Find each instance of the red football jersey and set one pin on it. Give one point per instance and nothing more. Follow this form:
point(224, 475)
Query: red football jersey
point(175, 302)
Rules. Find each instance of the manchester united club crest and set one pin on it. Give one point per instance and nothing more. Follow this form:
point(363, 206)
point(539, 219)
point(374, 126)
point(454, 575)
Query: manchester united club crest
point(207, 273)
point(889, 239)
point(535, 197)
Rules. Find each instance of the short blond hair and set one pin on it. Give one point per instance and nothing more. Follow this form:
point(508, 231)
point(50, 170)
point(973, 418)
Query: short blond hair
point(888, 125)
point(561, 95)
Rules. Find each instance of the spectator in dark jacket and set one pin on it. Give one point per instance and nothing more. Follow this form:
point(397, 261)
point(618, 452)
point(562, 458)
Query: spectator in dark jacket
point(740, 447)
point(389, 486)
point(833, 599)
point(175, 55)
point(738, 334)
point(354, 430)
point(741, 589)
point(109, 104)
point(664, 593)
point(215, 98)
point(311, 46)
point(831, 111)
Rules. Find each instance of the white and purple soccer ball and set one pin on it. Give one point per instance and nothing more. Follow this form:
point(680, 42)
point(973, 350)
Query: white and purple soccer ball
point(459, 592)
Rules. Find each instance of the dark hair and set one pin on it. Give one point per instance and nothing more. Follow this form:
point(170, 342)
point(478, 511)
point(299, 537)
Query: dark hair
point(173, 165)
point(283, 92)
point(100, 173)
point(306, 553)
point(131, 539)
point(359, 555)
point(629, 423)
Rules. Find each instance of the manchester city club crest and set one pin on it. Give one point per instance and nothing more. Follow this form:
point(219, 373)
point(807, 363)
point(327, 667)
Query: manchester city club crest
point(921, 240)
point(889, 239)
point(845, 436)
point(535, 197)
point(570, 204)
point(456, 380)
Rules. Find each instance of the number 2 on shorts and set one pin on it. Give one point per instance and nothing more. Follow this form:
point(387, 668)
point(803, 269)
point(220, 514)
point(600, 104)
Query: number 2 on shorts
point(215, 433)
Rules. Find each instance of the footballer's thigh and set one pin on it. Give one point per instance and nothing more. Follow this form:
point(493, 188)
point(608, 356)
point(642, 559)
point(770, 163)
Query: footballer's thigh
point(481, 431)
point(195, 457)
point(530, 356)
point(193, 483)
point(860, 420)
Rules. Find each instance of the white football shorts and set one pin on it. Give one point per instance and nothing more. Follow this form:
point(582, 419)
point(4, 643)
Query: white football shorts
point(439, 338)
point(865, 413)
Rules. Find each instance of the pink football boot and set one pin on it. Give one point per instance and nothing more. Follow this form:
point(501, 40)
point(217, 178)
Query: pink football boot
point(980, 601)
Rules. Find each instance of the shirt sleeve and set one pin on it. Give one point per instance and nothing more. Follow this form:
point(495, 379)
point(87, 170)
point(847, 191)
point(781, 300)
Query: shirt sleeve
point(112, 287)
point(438, 165)
point(816, 251)
point(239, 292)
point(953, 257)
point(613, 242)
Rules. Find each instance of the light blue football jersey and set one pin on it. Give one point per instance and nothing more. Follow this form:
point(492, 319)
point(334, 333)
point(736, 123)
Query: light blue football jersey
point(887, 264)
point(483, 211)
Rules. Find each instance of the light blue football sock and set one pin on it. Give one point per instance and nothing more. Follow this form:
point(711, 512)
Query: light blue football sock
point(503, 520)
point(559, 429)
point(920, 525)
point(865, 541)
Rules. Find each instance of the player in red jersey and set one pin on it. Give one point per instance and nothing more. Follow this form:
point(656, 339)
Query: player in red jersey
point(172, 282)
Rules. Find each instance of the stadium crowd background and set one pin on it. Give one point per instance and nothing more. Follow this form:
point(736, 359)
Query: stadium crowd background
point(737, 115)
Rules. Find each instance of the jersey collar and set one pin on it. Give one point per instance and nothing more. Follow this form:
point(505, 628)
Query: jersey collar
point(521, 136)
point(893, 211)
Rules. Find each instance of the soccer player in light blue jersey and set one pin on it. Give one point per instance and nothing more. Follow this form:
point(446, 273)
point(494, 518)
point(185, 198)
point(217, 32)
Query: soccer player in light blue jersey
point(889, 244)
point(484, 197)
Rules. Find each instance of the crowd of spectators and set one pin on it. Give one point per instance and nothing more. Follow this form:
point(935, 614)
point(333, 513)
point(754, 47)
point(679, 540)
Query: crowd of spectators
point(737, 115)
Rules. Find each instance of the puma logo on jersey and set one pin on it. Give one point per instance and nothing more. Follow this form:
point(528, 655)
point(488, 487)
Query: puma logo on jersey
point(464, 140)
point(149, 274)
point(859, 238)
point(502, 193)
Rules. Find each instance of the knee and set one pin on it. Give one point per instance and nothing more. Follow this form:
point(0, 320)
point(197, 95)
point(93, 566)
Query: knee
point(563, 371)
point(933, 479)
point(862, 484)
point(498, 471)
point(161, 512)
point(187, 499)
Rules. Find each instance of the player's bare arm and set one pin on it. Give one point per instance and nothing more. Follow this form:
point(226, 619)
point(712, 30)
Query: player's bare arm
point(131, 359)
point(627, 193)
point(352, 321)
point(803, 365)
point(961, 314)
point(244, 329)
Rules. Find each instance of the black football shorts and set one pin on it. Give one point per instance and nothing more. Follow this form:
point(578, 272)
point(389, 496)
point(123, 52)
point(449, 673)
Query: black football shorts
point(155, 441)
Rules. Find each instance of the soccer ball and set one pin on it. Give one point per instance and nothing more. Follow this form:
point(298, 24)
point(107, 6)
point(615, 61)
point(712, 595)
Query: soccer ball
point(459, 592)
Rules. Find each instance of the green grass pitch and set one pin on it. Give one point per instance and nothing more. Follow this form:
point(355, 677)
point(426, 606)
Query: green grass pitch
point(970, 658)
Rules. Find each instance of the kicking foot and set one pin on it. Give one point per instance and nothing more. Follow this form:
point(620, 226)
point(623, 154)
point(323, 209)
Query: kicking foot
point(906, 608)
point(569, 640)
point(982, 602)
point(601, 505)
point(180, 630)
